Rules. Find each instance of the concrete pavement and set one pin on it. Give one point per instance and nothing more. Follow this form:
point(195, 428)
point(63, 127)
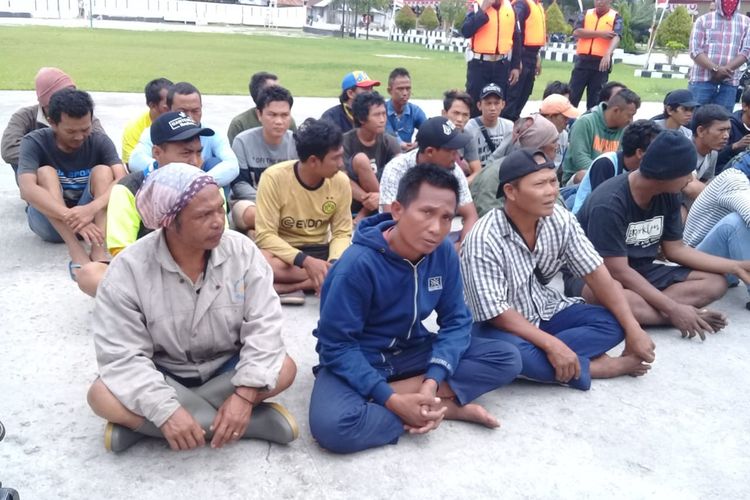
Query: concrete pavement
point(680, 432)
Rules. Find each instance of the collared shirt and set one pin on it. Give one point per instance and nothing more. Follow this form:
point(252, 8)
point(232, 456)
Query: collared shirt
point(501, 273)
point(720, 39)
point(164, 319)
point(397, 167)
point(403, 126)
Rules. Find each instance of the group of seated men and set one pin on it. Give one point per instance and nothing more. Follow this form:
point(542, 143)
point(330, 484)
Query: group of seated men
point(649, 229)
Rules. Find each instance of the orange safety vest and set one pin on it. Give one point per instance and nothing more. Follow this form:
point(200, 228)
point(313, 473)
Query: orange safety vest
point(496, 37)
point(596, 46)
point(535, 29)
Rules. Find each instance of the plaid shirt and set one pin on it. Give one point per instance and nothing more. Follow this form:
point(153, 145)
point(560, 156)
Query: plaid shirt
point(721, 39)
point(501, 273)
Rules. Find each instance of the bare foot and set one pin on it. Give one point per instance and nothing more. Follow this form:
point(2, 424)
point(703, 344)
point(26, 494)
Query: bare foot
point(470, 413)
point(715, 319)
point(608, 367)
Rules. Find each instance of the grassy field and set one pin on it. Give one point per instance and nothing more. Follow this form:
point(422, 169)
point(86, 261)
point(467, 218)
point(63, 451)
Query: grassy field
point(117, 60)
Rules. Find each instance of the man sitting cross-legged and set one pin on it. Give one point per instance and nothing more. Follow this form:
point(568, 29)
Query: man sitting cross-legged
point(629, 216)
point(176, 139)
point(65, 174)
point(381, 372)
point(299, 204)
point(507, 263)
point(367, 149)
point(197, 345)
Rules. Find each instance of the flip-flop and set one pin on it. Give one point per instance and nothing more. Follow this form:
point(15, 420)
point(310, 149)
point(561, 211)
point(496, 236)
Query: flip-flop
point(71, 268)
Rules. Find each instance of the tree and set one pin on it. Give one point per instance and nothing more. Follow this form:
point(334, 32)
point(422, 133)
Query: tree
point(406, 19)
point(675, 28)
point(627, 43)
point(555, 20)
point(450, 12)
point(428, 20)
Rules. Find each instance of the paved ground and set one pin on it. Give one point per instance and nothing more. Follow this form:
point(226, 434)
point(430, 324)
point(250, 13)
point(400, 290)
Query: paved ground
point(681, 432)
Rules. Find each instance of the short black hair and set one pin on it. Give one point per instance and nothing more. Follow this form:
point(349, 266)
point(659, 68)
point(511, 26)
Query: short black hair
point(451, 96)
point(154, 88)
point(705, 115)
point(556, 87)
point(638, 135)
point(181, 88)
point(623, 98)
point(272, 94)
point(317, 138)
point(362, 104)
point(746, 96)
point(258, 82)
point(396, 73)
point(74, 103)
point(425, 173)
point(605, 94)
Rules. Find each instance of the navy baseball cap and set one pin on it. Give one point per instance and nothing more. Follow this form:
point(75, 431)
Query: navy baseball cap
point(439, 132)
point(520, 163)
point(491, 89)
point(682, 97)
point(176, 126)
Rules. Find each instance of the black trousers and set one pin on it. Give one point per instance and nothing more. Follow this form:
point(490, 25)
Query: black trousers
point(586, 75)
point(480, 73)
point(518, 94)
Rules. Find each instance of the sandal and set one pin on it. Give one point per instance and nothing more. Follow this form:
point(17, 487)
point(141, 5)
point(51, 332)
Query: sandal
point(71, 268)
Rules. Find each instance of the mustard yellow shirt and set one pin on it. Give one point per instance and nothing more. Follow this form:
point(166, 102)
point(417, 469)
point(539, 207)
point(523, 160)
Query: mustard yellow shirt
point(290, 215)
point(132, 134)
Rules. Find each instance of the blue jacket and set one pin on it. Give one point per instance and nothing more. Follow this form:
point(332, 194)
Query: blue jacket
point(373, 303)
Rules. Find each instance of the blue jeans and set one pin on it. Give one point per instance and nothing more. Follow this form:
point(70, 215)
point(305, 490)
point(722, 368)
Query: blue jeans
point(344, 421)
point(42, 227)
point(714, 93)
point(729, 238)
point(587, 330)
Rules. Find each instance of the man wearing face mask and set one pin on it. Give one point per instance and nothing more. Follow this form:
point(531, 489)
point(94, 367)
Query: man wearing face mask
point(496, 45)
point(719, 45)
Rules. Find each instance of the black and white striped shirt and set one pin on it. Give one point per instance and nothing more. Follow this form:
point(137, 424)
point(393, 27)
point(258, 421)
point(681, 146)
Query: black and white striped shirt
point(501, 273)
point(727, 193)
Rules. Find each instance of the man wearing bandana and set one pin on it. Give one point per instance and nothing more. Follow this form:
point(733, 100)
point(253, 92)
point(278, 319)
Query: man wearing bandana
point(719, 45)
point(187, 327)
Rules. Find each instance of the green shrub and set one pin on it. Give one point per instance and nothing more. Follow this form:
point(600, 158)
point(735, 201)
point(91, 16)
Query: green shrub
point(676, 27)
point(556, 21)
point(406, 19)
point(428, 19)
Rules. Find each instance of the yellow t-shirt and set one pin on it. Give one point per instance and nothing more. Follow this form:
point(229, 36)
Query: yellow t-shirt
point(132, 134)
point(290, 215)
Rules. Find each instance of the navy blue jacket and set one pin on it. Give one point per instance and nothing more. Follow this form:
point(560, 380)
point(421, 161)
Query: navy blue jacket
point(337, 115)
point(373, 303)
point(737, 132)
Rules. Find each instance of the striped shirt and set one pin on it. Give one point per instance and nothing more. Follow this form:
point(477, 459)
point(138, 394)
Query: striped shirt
point(397, 167)
point(721, 39)
point(728, 192)
point(500, 272)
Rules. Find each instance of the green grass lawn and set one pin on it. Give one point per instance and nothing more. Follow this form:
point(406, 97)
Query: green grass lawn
point(117, 60)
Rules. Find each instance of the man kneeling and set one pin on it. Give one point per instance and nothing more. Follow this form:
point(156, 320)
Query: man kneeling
point(187, 327)
point(381, 372)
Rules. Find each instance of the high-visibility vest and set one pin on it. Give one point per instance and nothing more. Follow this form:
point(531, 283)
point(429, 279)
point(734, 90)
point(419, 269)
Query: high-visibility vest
point(596, 46)
point(535, 29)
point(496, 37)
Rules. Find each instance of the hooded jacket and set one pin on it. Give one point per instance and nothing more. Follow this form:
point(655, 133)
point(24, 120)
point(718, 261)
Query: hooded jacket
point(372, 306)
point(589, 138)
point(737, 132)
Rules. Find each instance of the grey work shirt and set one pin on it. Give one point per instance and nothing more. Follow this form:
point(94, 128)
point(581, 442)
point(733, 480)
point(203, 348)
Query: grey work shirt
point(148, 313)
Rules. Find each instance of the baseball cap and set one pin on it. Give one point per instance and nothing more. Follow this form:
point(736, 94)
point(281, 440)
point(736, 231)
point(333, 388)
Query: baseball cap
point(439, 132)
point(491, 89)
point(558, 104)
point(520, 163)
point(176, 126)
point(681, 97)
point(358, 79)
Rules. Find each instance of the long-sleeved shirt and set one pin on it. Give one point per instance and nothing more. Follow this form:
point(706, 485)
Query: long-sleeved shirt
point(21, 123)
point(214, 146)
point(148, 312)
point(132, 134)
point(721, 39)
point(475, 20)
point(291, 215)
point(589, 137)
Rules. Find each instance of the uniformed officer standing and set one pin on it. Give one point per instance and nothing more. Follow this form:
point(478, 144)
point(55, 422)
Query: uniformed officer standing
point(496, 45)
point(598, 31)
point(532, 22)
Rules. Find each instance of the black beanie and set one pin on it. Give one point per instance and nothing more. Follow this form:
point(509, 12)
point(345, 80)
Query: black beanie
point(670, 155)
